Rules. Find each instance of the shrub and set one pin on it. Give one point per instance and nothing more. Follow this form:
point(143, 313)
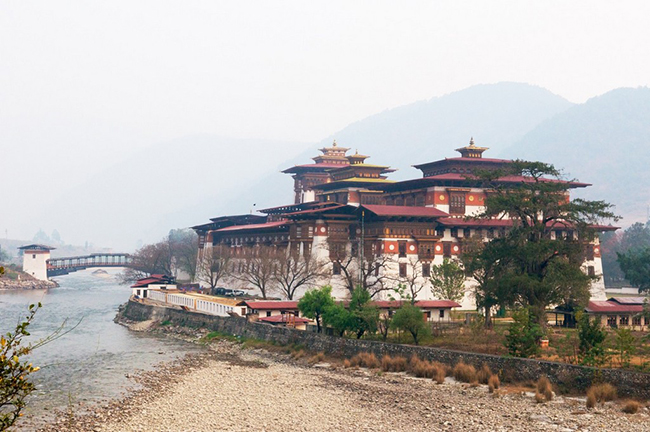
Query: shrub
point(544, 388)
point(393, 364)
point(439, 372)
point(484, 374)
point(364, 359)
point(317, 358)
point(591, 400)
point(493, 383)
point(600, 393)
point(464, 372)
point(523, 335)
point(592, 340)
point(631, 407)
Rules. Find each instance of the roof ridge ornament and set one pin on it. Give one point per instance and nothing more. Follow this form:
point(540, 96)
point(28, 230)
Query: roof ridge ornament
point(471, 151)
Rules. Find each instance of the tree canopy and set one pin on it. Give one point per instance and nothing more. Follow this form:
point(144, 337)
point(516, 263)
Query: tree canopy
point(635, 264)
point(448, 281)
point(315, 302)
point(535, 269)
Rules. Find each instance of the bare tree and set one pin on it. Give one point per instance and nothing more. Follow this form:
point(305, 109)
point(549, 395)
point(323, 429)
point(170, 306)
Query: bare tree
point(214, 265)
point(150, 259)
point(413, 282)
point(183, 245)
point(294, 271)
point(367, 272)
point(258, 265)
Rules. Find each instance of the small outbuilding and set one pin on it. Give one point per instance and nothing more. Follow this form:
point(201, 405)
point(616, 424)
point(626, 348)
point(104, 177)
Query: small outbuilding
point(155, 281)
point(432, 310)
point(621, 312)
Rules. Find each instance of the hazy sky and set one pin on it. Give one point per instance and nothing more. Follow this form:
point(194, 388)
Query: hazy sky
point(84, 83)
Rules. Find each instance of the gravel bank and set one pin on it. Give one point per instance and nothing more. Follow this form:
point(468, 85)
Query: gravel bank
point(233, 390)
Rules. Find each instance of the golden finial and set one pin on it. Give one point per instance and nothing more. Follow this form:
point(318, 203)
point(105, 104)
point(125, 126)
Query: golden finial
point(471, 142)
point(334, 145)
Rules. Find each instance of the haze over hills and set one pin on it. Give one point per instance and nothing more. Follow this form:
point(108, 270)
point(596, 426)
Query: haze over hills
point(496, 115)
point(606, 142)
point(186, 181)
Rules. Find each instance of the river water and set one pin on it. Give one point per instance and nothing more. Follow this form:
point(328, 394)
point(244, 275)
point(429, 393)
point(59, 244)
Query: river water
point(90, 363)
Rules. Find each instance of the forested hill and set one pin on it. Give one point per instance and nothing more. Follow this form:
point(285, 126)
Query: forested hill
point(606, 142)
point(496, 115)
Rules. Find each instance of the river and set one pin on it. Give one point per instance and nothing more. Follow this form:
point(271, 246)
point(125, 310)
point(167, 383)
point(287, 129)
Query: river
point(90, 363)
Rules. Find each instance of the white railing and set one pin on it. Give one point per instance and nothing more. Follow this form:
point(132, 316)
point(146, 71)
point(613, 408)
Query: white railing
point(193, 303)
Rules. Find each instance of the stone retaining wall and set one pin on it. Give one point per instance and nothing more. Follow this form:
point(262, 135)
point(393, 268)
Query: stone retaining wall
point(566, 376)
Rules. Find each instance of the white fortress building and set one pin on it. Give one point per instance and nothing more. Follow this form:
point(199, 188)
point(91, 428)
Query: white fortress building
point(347, 212)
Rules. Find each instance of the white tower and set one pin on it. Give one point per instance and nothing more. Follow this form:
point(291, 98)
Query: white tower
point(35, 258)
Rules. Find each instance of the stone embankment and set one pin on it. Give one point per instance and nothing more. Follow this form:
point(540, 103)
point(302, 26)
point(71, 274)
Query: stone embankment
point(571, 378)
point(231, 389)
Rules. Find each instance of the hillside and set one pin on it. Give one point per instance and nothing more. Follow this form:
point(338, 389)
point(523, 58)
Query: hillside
point(606, 142)
point(496, 115)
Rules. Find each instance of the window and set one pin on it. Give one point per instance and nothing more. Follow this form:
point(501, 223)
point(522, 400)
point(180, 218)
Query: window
point(298, 231)
point(336, 268)
point(467, 233)
point(591, 271)
point(33, 256)
point(402, 269)
point(636, 321)
point(454, 232)
point(446, 249)
point(376, 270)
point(440, 232)
point(624, 320)
point(426, 270)
point(611, 320)
point(589, 256)
point(401, 246)
point(442, 313)
point(457, 203)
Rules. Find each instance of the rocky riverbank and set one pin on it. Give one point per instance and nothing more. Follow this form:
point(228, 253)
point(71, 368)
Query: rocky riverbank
point(231, 388)
point(26, 284)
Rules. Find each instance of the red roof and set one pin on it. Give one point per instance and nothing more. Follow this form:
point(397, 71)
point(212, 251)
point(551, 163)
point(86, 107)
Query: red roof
point(505, 179)
point(283, 319)
point(612, 307)
point(153, 279)
point(391, 210)
point(272, 305)
point(462, 222)
point(253, 226)
point(424, 304)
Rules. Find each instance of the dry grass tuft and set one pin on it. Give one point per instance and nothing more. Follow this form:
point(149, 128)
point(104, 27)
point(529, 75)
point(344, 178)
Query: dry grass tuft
point(439, 372)
point(493, 383)
point(464, 372)
point(544, 388)
point(298, 354)
point(393, 364)
point(367, 360)
point(317, 358)
point(631, 407)
point(347, 363)
point(600, 393)
point(484, 374)
point(539, 398)
point(591, 400)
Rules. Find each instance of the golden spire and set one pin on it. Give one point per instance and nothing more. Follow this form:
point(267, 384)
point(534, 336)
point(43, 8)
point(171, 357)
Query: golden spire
point(334, 145)
point(471, 142)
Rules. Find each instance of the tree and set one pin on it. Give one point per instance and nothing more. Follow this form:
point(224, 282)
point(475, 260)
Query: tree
point(214, 265)
point(4, 256)
point(183, 245)
point(485, 263)
point(150, 259)
point(635, 264)
point(539, 270)
point(367, 272)
point(258, 267)
point(413, 282)
point(292, 271)
point(15, 385)
point(363, 315)
point(524, 333)
point(591, 335)
point(448, 281)
point(315, 302)
point(625, 345)
point(634, 238)
point(409, 318)
point(337, 317)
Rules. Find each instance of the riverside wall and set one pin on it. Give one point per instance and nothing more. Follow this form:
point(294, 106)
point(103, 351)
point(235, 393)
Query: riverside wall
point(565, 376)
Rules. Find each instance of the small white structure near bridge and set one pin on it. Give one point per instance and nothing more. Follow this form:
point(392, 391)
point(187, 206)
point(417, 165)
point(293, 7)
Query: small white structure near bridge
point(35, 258)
